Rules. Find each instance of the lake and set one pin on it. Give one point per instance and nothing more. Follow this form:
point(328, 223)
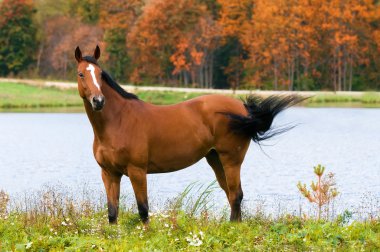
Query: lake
point(50, 148)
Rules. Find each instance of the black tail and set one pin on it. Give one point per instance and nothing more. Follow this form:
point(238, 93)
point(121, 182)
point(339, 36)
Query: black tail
point(257, 124)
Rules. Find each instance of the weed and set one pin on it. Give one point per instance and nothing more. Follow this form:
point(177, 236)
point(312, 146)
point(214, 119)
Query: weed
point(322, 192)
point(4, 199)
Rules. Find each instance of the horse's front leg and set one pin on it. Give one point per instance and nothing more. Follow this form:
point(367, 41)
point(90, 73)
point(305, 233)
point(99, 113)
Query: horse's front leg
point(112, 184)
point(137, 176)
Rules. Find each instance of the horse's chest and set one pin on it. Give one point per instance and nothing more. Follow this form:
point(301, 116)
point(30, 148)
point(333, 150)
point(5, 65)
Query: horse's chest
point(111, 158)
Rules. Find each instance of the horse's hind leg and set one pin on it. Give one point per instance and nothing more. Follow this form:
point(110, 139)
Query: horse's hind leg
point(235, 193)
point(214, 161)
point(112, 184)
point(137, 176)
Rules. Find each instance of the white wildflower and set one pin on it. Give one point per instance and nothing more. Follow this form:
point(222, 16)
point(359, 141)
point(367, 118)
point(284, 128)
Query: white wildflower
point(28, 245)
point(201, 234)
point(64, 223)
point(164, 215)
point(194, 240)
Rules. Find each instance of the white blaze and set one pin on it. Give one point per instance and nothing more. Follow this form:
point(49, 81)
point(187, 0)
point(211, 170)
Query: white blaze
point(91, 68)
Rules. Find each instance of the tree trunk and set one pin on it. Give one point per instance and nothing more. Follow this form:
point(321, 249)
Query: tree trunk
point(64, 66)
point(39, 55)
point(211, 71)
point(275, 74)
point(339, 72)
point(345, 73)
point(350, 80)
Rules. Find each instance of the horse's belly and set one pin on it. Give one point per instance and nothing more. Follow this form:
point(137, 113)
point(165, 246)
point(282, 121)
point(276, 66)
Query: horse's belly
point(169, 162)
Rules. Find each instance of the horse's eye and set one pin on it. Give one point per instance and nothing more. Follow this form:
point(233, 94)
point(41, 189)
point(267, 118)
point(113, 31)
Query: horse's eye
point(81, 75)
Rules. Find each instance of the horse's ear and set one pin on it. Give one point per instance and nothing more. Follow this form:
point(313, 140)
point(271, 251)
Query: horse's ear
point(78, 54)
point(97, 52)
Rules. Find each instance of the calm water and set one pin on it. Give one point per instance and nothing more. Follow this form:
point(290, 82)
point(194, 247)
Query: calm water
point(38, 149)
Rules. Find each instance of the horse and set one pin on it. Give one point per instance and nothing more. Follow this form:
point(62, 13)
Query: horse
point(136, 138)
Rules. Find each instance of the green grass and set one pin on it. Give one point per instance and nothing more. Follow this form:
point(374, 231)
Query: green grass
point(369, 99)
point(14, 95)
point(21, 97)
point(55, 223)
point(166, 97)
point(176, 231)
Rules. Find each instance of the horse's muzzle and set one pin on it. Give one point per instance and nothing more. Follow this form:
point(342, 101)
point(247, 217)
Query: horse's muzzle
point(97, 102)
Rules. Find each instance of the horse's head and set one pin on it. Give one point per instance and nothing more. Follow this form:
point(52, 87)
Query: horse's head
point(89, 78)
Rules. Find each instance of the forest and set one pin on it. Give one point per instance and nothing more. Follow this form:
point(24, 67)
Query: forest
point(251, 44)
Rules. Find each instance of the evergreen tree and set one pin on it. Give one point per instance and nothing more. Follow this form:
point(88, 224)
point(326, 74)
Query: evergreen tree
point(17, 36)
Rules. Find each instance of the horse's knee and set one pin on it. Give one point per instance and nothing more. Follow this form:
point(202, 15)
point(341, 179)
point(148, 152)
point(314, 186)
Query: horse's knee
point(241, 195)
point(143, 211)
point(112, 213)
point(236, 201)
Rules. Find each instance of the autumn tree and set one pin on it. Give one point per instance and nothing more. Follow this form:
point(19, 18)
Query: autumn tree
point(265, 44)
point(235, 20)
point(173, 41)
point(87, 11)
point(17, 36)
point(47, 12)
point(342, 28)
point(61, 42)
point(117, 19)
point(300, 44)
point(280, 43)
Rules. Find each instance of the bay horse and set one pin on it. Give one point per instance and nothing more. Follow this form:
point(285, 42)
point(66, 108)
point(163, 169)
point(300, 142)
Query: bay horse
point(136, 138)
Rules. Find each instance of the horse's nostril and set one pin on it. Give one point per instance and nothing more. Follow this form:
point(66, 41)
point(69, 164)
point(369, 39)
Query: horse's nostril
point(98, 99)
point(97, 102)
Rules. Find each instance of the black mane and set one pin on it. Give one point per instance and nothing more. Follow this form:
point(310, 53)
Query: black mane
point(108, 79)
point(117, 87)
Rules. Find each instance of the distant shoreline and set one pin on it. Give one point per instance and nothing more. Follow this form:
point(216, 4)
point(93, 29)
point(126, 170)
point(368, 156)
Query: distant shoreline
point(21, 95)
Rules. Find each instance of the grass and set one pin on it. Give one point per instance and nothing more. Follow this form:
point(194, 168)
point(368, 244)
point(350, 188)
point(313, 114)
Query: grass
point(21, 97)
point(369, 99)
point(166, 97)
point(54, 221)
point(14, 95)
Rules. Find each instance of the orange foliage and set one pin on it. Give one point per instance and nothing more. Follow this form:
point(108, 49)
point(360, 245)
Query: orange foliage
point(62, 38)
point(181, 31)
point(279, 44)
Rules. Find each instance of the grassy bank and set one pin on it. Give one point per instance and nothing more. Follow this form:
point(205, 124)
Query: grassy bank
point(14, 95)
point(176, 231)
point(19, 97)
point(58, 223)
point(369, 99)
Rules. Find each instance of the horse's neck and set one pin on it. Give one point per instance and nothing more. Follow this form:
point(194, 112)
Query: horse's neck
point(110, 114)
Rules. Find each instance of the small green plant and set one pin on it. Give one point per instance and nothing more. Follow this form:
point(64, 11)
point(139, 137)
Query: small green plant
point(195, 202)
point(322, 192)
